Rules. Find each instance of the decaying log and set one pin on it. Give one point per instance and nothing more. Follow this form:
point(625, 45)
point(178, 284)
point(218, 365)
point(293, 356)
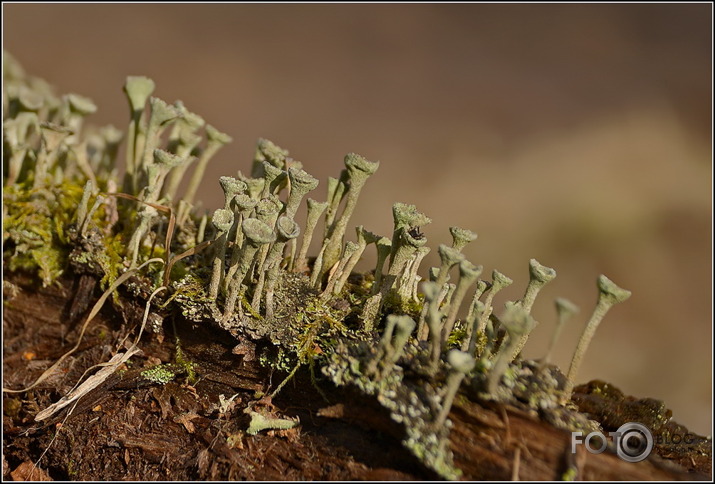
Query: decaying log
point(488, 440)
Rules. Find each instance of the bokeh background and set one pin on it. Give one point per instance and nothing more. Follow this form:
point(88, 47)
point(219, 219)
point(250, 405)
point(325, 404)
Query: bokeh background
point(579, 135)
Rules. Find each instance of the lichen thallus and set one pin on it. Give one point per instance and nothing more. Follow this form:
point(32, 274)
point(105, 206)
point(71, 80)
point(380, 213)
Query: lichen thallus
point(256, 272)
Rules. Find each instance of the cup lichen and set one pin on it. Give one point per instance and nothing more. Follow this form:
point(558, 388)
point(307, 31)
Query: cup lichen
point(365, 333)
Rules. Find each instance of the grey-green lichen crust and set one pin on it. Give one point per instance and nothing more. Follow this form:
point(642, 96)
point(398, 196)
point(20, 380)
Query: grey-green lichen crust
point(410, 404)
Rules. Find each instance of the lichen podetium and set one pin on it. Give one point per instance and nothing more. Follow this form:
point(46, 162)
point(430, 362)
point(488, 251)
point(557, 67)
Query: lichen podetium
point(385, 333)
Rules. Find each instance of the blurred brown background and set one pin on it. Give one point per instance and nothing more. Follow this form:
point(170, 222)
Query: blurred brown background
point(575, 134)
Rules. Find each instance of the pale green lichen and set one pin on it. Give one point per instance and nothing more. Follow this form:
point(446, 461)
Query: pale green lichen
point(410, 404)
point(260, 422)
point(160, 375)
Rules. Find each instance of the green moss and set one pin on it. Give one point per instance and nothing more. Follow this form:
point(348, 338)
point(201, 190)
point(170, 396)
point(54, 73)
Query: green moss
point(35, 226)
point(277, 358)
point(110, 260)
point(72, 471)
point(51, 262)
point(570, 474)
point(394, 304)
point(247, 307)
point(457, 336)
point(185, 363)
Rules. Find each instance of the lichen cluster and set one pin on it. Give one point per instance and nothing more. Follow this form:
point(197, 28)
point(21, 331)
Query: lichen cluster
point(388, 333)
